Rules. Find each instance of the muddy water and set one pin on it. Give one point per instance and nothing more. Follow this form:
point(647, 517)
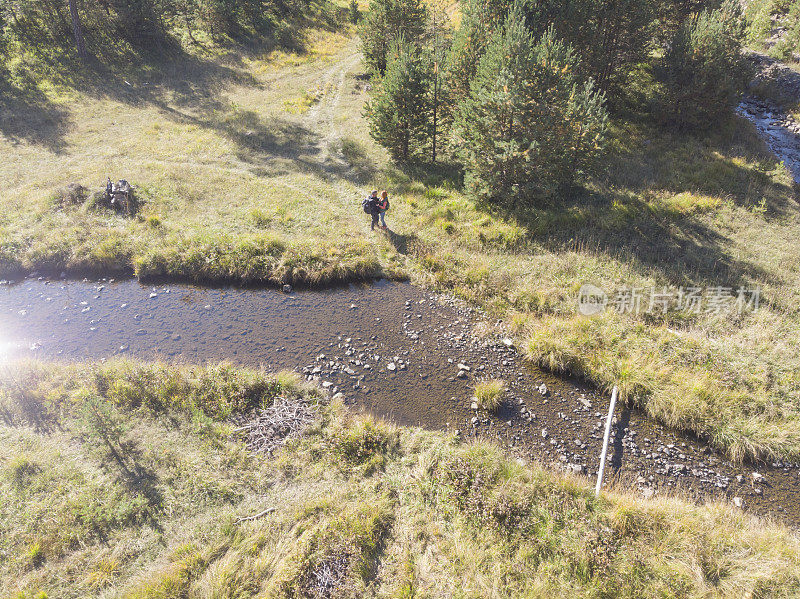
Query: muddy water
point(394, 350)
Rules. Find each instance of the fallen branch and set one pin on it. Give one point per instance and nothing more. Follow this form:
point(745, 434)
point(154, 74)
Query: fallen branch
point(271, 427)
point(269, 510)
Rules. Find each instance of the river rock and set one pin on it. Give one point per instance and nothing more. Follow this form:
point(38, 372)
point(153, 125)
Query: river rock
point(543, 389)
point(391, 366)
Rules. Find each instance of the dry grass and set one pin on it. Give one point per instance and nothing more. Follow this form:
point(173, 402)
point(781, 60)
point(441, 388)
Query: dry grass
point(489, 394)
point(234, 187)
point(123, 480)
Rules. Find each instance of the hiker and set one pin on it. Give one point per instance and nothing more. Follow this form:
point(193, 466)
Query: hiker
point(370, 205)
point(383, 206)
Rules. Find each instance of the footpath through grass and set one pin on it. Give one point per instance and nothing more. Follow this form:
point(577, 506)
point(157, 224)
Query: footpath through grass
point(252, 170)
point(123, 480)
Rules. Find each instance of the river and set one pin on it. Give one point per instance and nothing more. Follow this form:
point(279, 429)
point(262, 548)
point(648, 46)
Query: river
point(400, 352)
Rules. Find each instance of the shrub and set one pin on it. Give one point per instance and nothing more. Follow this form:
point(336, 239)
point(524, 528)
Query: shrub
point(35, 555)
point(703, 71)
point(22, 469)
point(73, 194)
point(363, 442)
point(489, 394)
point(528, 126)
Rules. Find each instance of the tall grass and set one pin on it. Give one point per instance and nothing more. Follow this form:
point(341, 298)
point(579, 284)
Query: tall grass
point(360, 507)
point(488, 394)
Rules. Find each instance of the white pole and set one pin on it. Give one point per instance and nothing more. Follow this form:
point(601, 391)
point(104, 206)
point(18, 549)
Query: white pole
point(605, 442)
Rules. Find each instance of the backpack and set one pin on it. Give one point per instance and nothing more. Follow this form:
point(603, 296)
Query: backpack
point(365, 205)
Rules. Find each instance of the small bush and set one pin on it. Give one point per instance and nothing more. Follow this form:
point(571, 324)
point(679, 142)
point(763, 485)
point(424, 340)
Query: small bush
point(260, 218)
point(489, 394)
point(364, 442)
point(73, 194)
point(103, 573)
point(22, 469)
point(35, 555)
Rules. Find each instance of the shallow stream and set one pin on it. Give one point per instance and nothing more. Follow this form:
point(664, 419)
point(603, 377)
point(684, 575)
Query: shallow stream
point(398, 351)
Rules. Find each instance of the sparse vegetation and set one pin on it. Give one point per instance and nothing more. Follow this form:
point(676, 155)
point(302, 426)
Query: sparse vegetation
point(162, 517)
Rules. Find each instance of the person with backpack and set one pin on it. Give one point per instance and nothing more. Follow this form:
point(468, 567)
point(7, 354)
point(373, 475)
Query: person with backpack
point(383, 206)
point(370, 206)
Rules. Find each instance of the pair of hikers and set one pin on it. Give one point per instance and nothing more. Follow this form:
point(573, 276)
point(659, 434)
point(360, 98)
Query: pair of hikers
point(376, 207)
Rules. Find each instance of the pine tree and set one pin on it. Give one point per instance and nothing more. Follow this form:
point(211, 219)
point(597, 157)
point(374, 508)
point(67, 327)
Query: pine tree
point(479, 20)
point(528, 126)
point(400, 110)
point(439, 38)
point(703, 72)
point(385, 23)
point(613, 35)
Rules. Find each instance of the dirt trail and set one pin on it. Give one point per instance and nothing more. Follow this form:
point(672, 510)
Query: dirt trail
point(393, 349)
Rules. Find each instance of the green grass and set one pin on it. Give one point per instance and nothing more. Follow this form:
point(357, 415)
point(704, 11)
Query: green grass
point(489, 394)
point(236, 188)
point(123, 480)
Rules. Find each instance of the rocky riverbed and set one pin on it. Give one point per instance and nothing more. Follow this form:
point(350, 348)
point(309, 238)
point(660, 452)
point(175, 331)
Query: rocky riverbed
point(399, 352)
point(775, 87)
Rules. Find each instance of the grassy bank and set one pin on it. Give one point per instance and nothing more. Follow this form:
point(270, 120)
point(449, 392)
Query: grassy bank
point(252, 170)
point(122, 480)
point(672, 212)
point(228, 159)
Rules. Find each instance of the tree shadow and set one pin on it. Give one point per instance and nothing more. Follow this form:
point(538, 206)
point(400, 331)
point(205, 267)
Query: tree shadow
point(140, 70)
point(27, 115)
point(126, 456)
point(648, 210)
